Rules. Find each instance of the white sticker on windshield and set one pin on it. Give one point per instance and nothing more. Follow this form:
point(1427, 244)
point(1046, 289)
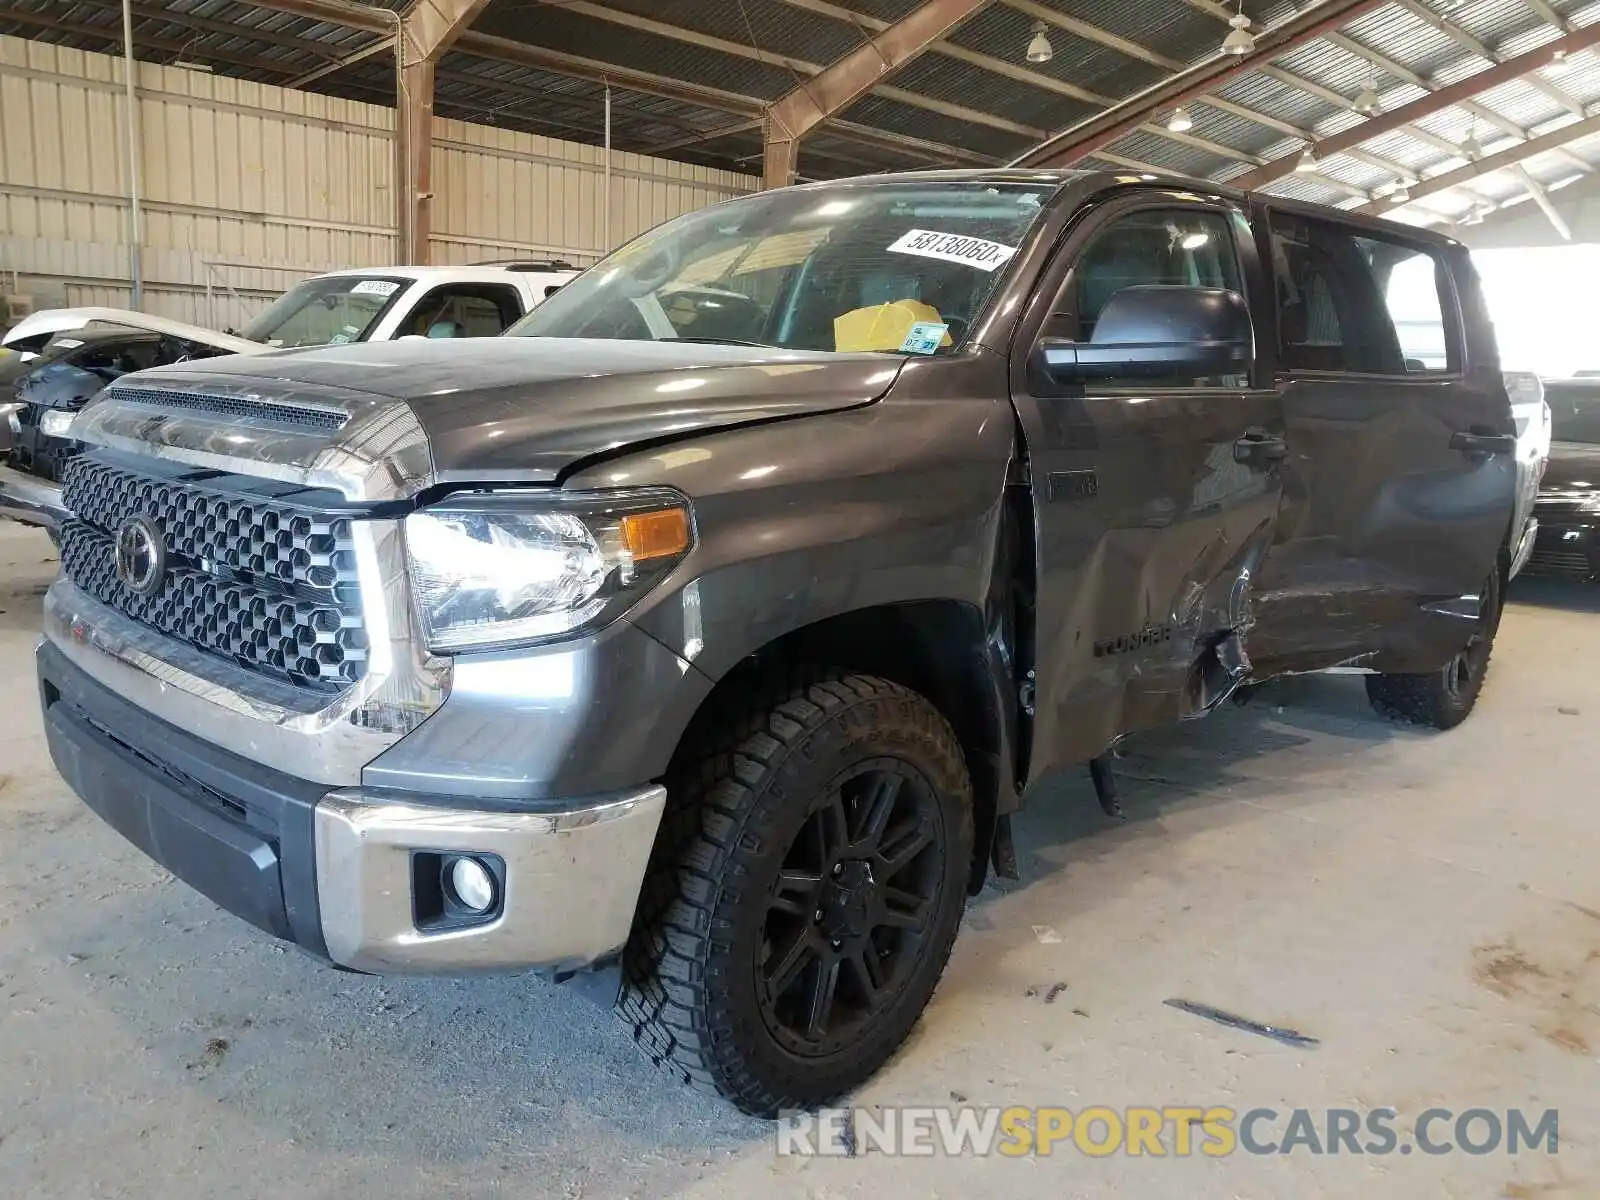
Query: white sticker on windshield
point(375, 287)
point(925, 337)
point(68, 343)
point(953, 247)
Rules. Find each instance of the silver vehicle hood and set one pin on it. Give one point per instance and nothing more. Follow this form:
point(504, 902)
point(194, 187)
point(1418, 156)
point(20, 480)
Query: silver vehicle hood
point(62, 320)
point(382, 421)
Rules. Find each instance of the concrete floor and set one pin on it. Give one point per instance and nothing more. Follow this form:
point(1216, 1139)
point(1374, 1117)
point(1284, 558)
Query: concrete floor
point(1427, 906)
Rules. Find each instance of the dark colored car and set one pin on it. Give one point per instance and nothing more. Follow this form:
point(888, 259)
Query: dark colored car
point(1568, 510)
point(43, 387)
point(724, 639)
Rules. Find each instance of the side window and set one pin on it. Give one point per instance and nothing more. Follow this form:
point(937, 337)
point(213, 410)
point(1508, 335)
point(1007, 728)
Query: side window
point(463, 310)
point(1357, 303)
point(1151, 247)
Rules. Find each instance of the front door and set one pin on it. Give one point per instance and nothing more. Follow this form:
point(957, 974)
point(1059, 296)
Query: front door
point(1400, 476)
point(1154, 498)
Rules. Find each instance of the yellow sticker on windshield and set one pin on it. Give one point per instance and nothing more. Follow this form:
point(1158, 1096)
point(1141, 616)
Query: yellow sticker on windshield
point(883, 326)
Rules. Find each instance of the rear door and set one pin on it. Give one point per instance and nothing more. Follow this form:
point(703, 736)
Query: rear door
point(1401, 473)
point(1154, 500)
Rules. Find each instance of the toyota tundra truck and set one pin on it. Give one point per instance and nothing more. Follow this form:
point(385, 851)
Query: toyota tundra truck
point(716, 621)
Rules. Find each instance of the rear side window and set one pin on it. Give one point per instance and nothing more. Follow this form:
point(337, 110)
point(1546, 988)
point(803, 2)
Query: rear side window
point(1352, 302)
point(457, 310)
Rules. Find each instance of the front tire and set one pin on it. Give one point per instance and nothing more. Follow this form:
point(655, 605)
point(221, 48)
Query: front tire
point(1444, 698)
point(803, 896)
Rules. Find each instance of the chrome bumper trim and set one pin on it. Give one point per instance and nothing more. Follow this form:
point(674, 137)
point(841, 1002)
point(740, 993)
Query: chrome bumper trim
point(256, 717)
point(572, 879)
point(31, 500)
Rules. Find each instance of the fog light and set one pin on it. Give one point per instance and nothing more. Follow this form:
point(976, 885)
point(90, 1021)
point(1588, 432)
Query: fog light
point(472, 883)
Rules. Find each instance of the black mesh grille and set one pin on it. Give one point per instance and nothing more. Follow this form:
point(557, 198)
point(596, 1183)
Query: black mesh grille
point(268, 584)
point(236, 407)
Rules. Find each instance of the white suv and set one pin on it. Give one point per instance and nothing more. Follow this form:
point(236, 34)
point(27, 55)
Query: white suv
point(386, 303)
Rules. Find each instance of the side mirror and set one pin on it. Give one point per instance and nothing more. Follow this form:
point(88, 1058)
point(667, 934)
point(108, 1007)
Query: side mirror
point(1154, 330)
point(552, 288)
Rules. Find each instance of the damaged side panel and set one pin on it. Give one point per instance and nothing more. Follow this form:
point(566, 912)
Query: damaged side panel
point(1155, 499)
point(1145, 591)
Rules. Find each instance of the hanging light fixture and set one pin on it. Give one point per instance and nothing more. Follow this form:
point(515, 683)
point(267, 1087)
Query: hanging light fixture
point(1400, 193)
point(1240, 41)
point(1308, 161)
point(1367, 102)
point(1471, 148)
point(1474, 216)
point(1180, 121)
point(1559, 62)
point(1039, 49)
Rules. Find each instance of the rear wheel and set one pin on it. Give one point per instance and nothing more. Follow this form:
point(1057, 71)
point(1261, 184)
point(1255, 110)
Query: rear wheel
point(803, 897)
point(1444, 698)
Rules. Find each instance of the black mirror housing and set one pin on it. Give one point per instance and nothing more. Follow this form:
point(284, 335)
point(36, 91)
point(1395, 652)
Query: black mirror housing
point(1158, 330)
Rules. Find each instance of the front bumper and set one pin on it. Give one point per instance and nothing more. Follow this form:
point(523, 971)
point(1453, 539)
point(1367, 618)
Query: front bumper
point(31, 500)
point(342, 873)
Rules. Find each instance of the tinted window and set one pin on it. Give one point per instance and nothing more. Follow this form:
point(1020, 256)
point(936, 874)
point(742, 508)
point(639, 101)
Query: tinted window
point(1574, 411)
point(455, 310)
point(1184, 248)
point(1353, 302)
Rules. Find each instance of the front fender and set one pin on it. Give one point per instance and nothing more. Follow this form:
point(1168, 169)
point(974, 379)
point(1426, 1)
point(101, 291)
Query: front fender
point(800, 521)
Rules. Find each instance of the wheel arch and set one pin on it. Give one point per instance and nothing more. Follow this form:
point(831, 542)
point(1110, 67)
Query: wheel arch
point(941, 649)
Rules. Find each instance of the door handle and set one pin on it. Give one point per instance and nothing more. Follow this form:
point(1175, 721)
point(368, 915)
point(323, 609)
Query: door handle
point(1259, 446)
point(1475, 444)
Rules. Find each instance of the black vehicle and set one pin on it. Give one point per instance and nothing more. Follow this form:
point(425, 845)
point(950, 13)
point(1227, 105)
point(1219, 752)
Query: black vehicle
point(732, 662)
point(1568, 510)
point(44, 387)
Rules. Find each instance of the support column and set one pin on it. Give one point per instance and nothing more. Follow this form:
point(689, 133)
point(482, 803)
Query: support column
point(780, 160)
point(413, 140)
point(833, 89)
point(425, 31)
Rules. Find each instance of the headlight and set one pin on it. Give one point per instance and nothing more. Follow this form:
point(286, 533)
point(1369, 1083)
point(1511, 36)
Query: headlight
point(55, 422)
point(509, 567)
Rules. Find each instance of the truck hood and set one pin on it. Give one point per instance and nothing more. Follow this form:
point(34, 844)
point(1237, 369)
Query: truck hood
point(396, 417)
point(52, 321)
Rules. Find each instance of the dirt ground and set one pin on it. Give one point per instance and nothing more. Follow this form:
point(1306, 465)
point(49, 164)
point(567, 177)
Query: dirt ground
point(1426, 906)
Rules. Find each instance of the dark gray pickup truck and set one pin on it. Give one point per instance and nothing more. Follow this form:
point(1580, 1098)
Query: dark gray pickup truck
point(718, 619)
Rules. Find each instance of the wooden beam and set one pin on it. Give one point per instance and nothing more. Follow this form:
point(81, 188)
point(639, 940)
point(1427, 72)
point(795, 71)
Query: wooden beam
point(1546, 143)
point(792, 116)
point(1445, 97)
point(1072, 144)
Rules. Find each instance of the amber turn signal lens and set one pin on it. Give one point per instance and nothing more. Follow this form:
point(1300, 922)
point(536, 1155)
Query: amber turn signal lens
point(656, 534)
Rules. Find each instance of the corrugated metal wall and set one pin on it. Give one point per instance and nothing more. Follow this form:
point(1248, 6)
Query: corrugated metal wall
point(250, 187)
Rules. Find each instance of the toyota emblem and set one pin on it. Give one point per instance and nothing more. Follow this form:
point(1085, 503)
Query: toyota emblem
point(141, 556)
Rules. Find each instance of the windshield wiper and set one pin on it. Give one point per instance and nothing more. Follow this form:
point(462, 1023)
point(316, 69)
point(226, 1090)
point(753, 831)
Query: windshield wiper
point(720, 341)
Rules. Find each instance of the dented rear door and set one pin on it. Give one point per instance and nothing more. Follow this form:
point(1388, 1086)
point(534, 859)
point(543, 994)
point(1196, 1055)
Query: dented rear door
point(1401, 471)
point(1153, 504)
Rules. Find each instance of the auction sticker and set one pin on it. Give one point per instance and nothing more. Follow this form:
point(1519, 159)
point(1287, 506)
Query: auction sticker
point(954, 247)
point(374, 287)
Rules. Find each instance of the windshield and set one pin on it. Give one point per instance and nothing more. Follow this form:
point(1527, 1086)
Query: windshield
point(329, 311)
point(900, 267)
point(1574, 411)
